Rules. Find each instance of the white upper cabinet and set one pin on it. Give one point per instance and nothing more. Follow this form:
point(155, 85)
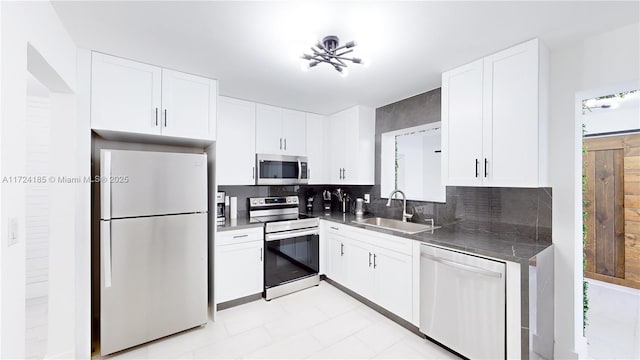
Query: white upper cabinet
point(188, 102)
point(280, 131)
point(317, 151)
point(494, 119)
point(351, 140)
point(134, 100)
point(294, 132)
point(235, 147)
point(462, 130)
point(268, 129)
point(125, 95)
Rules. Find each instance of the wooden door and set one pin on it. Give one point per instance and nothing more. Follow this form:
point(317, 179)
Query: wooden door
point(612, 205)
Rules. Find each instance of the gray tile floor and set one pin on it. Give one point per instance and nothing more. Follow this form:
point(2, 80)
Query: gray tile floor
point(318, 323)
point(614, 321)
point(36, 318)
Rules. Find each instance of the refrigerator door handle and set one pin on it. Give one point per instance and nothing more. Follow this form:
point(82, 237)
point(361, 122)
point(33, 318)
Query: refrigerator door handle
point(105, 185)
point(105, 235)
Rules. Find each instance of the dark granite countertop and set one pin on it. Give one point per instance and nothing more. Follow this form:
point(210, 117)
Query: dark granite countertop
point(501, 241)
point(242, 222)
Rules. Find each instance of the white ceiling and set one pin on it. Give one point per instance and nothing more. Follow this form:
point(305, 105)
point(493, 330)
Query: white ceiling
point(253, 48)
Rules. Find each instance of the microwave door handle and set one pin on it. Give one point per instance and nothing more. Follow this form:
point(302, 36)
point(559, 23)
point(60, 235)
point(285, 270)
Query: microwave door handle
point(299, 170)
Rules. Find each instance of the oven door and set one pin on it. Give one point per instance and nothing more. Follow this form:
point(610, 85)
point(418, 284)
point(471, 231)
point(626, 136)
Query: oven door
point(290, 256)
point(281, 170)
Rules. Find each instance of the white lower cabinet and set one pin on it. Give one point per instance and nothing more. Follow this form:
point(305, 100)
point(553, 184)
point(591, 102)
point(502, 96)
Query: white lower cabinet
point(359, 267)
point(238, 264)
point(376, 266)
point(393, 282)
point(382, 276)
point(335, 257)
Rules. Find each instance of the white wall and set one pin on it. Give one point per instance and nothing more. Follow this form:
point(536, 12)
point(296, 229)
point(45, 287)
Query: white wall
point(37, 24)
point(611, 120)
point(598, 61)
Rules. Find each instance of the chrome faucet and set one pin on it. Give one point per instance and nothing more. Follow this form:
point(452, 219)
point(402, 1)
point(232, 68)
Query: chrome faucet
point(405, 215)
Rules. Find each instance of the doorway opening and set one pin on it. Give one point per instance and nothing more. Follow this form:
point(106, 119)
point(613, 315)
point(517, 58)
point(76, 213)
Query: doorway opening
point(38, 119)
point(611, 208)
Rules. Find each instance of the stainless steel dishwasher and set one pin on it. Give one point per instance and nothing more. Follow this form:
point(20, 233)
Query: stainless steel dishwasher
point(462, 302)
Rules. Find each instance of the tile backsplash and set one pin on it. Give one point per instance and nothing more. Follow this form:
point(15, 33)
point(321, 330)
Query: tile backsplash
point(529, 207)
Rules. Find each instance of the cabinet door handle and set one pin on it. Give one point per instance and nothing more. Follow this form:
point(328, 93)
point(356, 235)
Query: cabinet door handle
point(156, 116)
point(260, 251)
point(369, 259)
point(344, 173)
point(374, 261)
point(285, 143)
point(333, 228)
point(280, 143)
point(341, 249)
point(486, 172)
point(253, 172)
point(240, 236)
point(462, 266)
point(477, 163)
point(165, 117)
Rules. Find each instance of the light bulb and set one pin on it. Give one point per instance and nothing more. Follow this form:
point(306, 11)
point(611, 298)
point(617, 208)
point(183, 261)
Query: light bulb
point(344, 72)
point(304, 65)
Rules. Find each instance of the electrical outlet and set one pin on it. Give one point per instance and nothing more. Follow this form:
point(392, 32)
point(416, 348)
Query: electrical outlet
point(367, 198)
point(12, 232)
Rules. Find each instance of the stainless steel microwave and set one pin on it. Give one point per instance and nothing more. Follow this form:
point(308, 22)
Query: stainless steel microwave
point(281, 170)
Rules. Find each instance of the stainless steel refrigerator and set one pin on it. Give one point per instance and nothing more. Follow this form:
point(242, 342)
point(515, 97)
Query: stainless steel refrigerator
point(153, 246)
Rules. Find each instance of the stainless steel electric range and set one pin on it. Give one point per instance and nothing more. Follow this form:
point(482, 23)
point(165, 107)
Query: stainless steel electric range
point(291, 245)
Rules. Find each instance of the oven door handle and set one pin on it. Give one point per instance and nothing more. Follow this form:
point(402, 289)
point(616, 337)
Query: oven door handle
point(290, 234)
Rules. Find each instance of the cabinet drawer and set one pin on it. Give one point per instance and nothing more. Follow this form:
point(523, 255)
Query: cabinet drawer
point(239, 236)
point(385, 241)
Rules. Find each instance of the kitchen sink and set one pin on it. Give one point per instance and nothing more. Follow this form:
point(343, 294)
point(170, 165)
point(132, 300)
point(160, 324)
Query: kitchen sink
point(396, 225)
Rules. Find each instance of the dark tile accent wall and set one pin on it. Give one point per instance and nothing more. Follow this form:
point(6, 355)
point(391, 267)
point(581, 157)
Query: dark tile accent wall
point(519, 206)
point(245, 192)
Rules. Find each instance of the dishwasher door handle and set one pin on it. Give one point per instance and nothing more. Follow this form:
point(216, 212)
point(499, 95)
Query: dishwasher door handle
point(460, 266)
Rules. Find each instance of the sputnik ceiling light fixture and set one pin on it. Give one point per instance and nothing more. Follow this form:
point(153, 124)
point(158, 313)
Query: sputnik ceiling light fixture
point(331, 52)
